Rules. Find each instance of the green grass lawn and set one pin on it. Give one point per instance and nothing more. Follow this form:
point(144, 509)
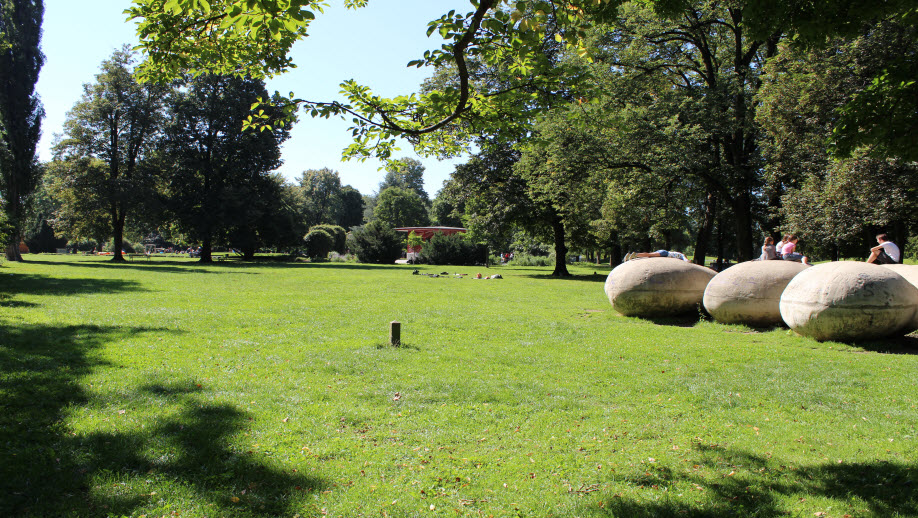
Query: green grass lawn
point(167, 388)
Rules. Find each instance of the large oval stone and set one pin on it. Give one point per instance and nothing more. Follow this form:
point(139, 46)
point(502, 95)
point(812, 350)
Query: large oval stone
point(849, 301)
point(749, 293)
point(657, 286)
point(910, 272)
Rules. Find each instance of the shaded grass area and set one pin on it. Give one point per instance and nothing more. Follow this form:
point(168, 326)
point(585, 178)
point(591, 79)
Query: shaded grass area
point(263, 390)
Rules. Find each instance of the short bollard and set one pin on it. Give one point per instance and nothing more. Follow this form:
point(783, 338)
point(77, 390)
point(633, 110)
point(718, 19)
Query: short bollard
point(395, 333)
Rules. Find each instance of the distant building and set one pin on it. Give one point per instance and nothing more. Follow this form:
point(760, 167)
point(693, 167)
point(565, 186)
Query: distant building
point(426, 233)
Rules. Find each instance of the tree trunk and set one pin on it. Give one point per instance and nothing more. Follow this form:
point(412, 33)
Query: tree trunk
point(703, 239)
point(557, 227)
point(615, 258)
point(901, 234)
point(13, 211)
point(118, 240)
point(248, 253)
point(12, 250)
point(207, 251)
point(742, 217)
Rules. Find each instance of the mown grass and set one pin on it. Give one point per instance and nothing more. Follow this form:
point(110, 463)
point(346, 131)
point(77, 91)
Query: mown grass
point(170, 388)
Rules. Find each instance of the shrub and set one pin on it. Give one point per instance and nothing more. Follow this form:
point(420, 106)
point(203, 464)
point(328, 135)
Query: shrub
point(318, 243)
point(338, 234)
point(335, 257)
point(453, 249)
point(532, 260)
point(524, 244)
point(376, 242)
point(82, 245)
point(127, 247)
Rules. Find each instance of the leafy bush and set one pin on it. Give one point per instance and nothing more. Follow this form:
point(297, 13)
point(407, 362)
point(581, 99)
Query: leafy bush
point(127, 247)
point(532, 260)
point(83, 245)
point(453, 249)
point(338, 234)
point(335, 257)
point(376, 242)
point(524, 244)
point(318, 243)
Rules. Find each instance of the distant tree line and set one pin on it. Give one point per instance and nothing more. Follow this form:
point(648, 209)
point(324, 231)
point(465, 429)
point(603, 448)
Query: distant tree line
point(175, 162)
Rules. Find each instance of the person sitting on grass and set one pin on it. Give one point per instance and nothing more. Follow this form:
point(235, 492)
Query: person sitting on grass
point(788, 253)
point(658, 253)
point(886, 252)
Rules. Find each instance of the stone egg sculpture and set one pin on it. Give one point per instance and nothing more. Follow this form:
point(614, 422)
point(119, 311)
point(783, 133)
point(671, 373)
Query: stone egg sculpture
point(749, 292)
point(656, 287)
point(849, 301)
point(910, 272)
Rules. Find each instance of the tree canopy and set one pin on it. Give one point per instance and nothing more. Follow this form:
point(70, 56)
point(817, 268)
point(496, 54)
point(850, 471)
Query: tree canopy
point(220, 186)
point(117, 122)
point(246, 37)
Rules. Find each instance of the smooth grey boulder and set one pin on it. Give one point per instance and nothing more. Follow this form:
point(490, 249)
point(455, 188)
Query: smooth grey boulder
point(656, 287)
point(910, 272)
point(849, 301)
point(749, 293)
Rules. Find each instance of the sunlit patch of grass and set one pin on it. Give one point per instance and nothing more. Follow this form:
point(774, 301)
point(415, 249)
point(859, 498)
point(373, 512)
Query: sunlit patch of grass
point(269, 390)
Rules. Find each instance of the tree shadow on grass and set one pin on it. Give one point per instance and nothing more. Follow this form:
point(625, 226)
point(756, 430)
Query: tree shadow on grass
point(48, 470)
point(343, 266)
point(597, 277)
point(149, 266)
point(7, 301)
point(758, 485)
point(195, 452)
point(40, 369)
point(32, 284)
point(686, 320)
point(163, 265)
point(894, 345)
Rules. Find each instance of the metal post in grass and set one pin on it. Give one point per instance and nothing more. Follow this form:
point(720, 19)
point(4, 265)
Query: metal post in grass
point(395, 333)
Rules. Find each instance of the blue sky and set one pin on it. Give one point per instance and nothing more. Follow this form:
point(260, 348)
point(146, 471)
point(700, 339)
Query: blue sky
point(370, 45)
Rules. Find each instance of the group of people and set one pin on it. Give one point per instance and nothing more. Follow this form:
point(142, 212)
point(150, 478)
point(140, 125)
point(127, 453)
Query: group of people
point(886, 252)
point(786, 249)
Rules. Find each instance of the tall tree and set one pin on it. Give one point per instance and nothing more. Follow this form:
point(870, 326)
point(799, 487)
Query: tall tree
point(20, 112)
point(499, 199)
point(405, 173)
point(838, 203)
point(119, 122)
point(352, 206)
point(321, 196)
point(701, 69)
point(399, 207)
point(78, 185)
point(218, 172)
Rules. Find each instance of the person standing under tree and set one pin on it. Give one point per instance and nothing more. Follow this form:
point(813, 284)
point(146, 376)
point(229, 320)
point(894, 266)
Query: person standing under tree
point(886, 252)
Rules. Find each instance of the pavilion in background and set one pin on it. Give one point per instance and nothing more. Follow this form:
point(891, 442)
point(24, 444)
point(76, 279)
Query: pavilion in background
point(426, 233)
